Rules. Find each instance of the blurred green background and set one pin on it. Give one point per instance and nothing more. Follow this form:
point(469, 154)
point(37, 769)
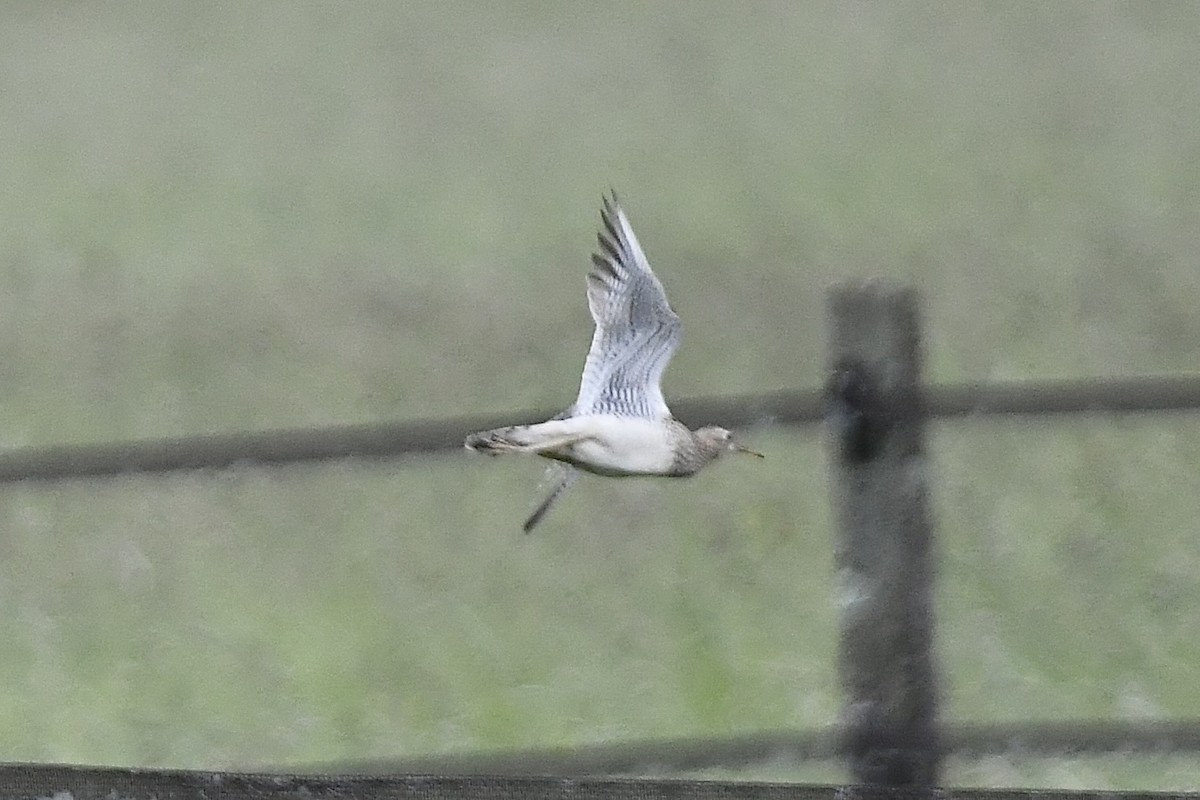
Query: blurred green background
point(223, 216)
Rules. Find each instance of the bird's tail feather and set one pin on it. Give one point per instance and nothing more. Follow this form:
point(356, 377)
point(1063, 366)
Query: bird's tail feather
point(497, 441)
point(540, 438)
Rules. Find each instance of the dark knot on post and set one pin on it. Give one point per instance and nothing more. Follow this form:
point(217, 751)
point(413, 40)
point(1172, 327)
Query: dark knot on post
point(854, 411)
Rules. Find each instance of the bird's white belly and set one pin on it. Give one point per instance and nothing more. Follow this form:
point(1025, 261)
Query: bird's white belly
point(623, 446)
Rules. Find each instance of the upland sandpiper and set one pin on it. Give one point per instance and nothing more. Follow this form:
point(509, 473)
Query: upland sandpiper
point(619, 424)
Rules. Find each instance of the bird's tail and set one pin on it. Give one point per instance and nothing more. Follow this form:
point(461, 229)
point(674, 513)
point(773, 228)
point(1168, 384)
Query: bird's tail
point(497, 441)
point(539, 438)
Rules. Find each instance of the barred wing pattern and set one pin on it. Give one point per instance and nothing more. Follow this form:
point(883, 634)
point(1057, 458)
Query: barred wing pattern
point(636, 330)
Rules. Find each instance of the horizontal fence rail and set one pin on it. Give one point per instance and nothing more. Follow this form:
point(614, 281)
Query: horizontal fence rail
point(388, 440)
point(1033, 739)
point(106, 783)
point(511, 776)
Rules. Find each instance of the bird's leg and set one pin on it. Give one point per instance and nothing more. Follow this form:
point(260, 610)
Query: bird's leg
point(562, 477)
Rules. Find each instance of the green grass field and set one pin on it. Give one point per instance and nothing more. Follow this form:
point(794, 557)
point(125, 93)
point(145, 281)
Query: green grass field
point(221, 217)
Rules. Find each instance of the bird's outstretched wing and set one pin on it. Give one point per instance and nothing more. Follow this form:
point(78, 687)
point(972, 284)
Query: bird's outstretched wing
point(636, 330)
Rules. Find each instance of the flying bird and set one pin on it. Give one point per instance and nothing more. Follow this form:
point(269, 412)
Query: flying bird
point(619, 424)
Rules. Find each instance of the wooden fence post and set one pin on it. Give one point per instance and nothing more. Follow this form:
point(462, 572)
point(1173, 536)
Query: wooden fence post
point(883, 543)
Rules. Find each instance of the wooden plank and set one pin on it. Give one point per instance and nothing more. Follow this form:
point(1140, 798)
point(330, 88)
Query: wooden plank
point(883, 539)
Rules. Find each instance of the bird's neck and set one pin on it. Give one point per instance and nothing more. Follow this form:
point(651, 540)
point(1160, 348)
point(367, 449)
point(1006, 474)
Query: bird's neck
point(693, 453)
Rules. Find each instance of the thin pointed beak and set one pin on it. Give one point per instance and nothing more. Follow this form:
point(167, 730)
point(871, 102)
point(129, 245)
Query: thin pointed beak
point(744, 449)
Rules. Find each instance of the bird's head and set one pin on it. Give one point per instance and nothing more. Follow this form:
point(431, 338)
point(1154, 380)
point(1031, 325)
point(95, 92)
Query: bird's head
point(716, 441)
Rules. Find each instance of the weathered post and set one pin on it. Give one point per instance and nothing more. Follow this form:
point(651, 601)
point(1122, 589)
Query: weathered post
point(883, 545)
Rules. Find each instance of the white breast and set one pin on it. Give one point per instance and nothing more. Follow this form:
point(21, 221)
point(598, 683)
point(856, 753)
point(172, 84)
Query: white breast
point(623, 445)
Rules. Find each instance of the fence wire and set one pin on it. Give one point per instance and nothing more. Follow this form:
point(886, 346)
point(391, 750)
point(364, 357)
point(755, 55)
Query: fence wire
point(391, 440)
point(1036, 739)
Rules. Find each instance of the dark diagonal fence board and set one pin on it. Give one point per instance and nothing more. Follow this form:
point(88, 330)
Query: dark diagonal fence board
point(389, 440)
point(102, 783)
